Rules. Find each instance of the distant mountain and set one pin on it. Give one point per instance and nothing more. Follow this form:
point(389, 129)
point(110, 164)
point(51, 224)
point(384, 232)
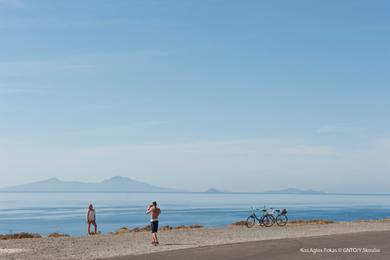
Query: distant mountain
point(114, 184)
point(294, 191)
point(213, 190)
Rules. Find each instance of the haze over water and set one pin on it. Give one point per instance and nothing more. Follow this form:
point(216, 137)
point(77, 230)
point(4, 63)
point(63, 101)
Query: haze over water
point(45, 213)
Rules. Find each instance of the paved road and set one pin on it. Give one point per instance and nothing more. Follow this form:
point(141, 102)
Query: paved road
point(290, 249)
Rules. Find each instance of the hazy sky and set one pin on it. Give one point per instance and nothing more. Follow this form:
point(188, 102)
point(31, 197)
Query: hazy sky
point(238, 95)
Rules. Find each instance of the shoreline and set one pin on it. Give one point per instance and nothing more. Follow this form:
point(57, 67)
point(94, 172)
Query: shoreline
point(138, 243)
point(168, 228)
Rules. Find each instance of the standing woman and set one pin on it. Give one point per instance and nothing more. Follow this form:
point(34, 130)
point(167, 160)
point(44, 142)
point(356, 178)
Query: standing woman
point(91, 219)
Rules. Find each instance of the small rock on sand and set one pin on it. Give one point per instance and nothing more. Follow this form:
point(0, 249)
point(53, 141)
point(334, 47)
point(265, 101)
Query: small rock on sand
point(7, 251)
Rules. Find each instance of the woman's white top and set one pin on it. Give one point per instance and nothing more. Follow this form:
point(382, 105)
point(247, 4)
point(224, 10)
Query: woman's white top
point(91, 216)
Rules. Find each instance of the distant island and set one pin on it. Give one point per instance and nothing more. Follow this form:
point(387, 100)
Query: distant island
point(122, 184)
point(114, 184)
point(293, 191)
point(213, 190)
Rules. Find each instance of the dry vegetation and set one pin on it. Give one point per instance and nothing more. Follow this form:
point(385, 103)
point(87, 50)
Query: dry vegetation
point(316, 221)
point(310, 222)
point(124, 230)
point(58, 235)
point(293, 222)
point(373, 220)
point(19, 236)
point(239, 223)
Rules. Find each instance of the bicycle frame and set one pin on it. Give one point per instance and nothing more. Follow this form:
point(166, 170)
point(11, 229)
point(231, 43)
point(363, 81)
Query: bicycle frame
point(260, 220)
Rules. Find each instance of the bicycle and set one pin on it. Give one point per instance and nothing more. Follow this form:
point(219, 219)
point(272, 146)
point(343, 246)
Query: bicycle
point(267, 219)
point(281, 218)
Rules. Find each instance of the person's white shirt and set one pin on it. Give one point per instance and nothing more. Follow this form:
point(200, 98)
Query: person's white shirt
point(91, 215)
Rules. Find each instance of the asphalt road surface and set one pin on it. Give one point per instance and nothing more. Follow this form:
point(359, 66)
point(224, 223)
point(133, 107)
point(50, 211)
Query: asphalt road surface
point(365, 245)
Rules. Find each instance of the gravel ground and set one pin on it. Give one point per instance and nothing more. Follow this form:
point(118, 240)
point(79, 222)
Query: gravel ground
point(104, 246)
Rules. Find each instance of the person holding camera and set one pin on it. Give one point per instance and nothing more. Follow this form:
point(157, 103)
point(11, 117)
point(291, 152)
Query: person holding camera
point(154, 212)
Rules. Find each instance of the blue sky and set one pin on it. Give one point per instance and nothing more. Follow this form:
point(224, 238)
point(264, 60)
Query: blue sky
point(237, 95)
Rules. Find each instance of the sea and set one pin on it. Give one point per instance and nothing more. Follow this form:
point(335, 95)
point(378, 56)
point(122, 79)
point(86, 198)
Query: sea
point(46, 213)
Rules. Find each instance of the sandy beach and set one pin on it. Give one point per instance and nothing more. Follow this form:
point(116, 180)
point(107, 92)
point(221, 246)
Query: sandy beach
point(138, 243)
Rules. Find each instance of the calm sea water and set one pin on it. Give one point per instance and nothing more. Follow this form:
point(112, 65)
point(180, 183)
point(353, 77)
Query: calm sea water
point(45, 213)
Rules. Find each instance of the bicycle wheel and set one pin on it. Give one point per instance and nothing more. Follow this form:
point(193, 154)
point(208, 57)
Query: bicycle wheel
point(268, 220)
point(250, 221)
point(281, 220)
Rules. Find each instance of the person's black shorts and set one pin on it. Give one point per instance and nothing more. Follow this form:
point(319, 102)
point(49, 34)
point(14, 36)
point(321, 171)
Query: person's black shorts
point(154, 226)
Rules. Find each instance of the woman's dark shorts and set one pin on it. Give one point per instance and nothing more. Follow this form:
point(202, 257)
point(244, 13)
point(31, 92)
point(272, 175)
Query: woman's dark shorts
point(154, 226)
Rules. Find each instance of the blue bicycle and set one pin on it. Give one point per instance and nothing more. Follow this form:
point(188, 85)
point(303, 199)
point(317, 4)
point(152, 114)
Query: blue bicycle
point(267, 219)
point(281, 217)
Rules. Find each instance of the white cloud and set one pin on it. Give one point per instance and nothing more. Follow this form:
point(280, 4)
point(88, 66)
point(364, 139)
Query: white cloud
point(310, 150)
point(27, 68)
point(340, 129)
point(87, 62)
point(64, 23)
point(114, 129)
point(20, 88)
